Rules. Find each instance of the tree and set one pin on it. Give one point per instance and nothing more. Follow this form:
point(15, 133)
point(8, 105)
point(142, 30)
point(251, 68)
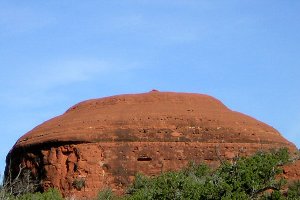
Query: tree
point(254, 177)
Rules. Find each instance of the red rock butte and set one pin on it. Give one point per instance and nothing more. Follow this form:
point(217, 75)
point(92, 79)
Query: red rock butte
point(105, 142)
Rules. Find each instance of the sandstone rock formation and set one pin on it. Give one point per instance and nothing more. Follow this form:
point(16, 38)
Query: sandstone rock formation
point(292, 171)
point(103, 142)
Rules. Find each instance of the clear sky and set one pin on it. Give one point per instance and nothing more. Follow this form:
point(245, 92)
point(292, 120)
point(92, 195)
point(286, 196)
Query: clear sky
point(56, 53)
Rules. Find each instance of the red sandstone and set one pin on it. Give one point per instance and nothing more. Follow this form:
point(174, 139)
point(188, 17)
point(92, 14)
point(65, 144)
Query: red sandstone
point(106, 141)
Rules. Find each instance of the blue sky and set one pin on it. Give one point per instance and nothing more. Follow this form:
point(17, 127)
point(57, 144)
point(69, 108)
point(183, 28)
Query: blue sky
point(54, 54)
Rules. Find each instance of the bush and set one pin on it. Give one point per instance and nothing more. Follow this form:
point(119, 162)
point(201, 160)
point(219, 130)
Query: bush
point(20, 184)
point(79, 183)
point(254, 177)
point(51, 194)
point(106, 194)
point(294, 190)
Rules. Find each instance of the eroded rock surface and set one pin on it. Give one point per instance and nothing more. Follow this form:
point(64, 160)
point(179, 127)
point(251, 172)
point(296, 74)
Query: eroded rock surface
point(292, 171)
point(104, 142)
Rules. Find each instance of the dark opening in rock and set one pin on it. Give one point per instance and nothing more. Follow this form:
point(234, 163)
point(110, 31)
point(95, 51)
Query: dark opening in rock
point(144, 158)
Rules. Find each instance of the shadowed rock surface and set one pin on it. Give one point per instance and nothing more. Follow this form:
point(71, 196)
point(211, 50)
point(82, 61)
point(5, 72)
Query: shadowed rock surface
point(105, 142)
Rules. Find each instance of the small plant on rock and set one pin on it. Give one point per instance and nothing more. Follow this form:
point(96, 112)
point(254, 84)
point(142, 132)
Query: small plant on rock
point(106, 194)
point(79, 183)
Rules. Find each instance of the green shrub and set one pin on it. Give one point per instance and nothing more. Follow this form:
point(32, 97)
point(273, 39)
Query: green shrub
point(253, 175)
point(246, 178)
point(294, 191)
point(4, 195)
point(79, 183)
point(106, 194)
point(51, 194)
point(275, 195)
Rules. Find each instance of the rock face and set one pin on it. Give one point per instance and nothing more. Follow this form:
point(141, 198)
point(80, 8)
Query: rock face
point(292, 171)
point(104, 142)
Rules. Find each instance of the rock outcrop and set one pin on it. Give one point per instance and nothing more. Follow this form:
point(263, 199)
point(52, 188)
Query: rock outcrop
point(292, 171)
point(104, 142)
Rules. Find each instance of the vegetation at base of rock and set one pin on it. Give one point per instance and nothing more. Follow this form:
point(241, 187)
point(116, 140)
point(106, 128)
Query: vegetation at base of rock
point(255, 177)
point(294, 190)
point(51, 194)
point(107, 194)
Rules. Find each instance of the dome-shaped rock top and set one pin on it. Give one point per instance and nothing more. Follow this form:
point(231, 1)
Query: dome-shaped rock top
point(153, 116)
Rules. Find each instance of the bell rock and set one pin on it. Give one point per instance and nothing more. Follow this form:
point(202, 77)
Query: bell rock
point(102, 143)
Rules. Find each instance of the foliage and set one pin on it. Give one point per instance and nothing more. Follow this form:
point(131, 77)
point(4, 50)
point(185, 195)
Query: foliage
point(78, 183)
point(254, 177)
point(51, 194)
point(22, 183)
point(106, 194)
point(294, 191)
